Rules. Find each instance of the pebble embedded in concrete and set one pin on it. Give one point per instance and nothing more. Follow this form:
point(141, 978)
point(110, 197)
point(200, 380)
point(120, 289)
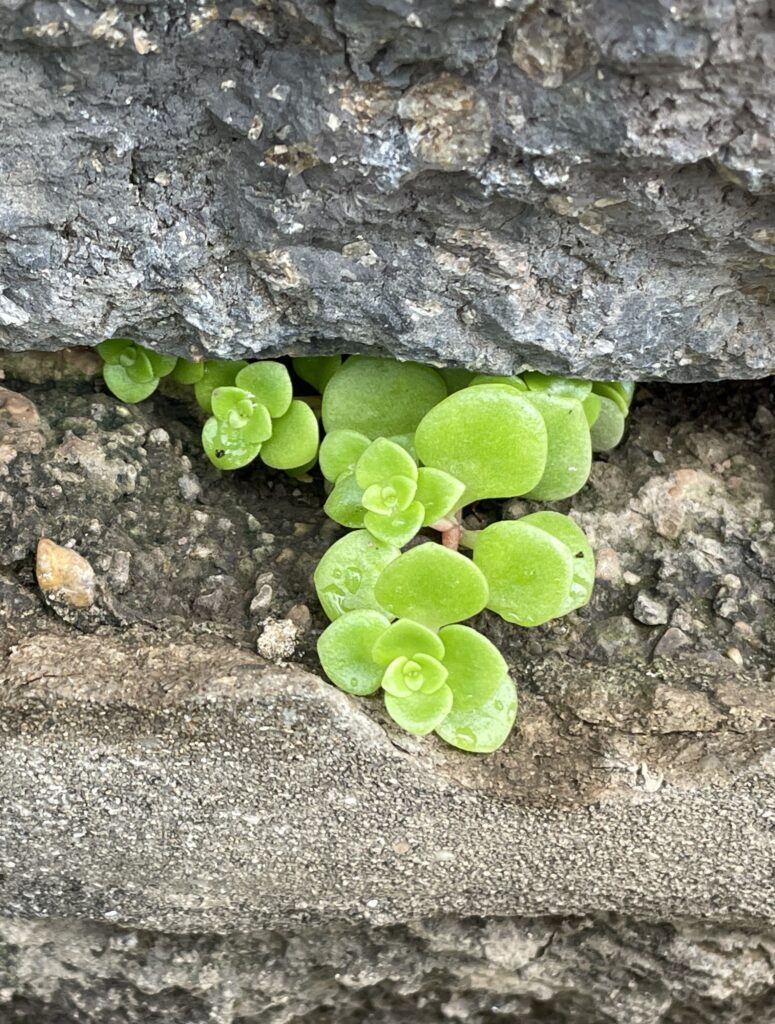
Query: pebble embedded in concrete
point(65, 575)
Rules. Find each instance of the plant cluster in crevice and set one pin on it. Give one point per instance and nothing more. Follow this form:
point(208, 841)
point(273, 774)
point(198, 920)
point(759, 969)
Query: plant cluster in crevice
point(406, 448)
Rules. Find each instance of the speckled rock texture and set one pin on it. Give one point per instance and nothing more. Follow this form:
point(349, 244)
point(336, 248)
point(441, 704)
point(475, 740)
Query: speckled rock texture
point(580, 185)
point(196, 827)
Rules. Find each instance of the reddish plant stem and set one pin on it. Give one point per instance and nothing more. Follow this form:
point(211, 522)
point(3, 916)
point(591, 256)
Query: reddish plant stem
point(451, 538)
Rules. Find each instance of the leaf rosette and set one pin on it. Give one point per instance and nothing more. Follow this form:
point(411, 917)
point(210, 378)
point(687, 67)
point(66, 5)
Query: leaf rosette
point(378, 486)
point(453, 681)
point(259, 415)
point(131, 371)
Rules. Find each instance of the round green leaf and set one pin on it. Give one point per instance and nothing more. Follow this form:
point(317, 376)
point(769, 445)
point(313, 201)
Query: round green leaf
point(569, 454)
point(573, 537)
point(404, 638)
point(216, 373)
point(475, 665)
point(380, 397)
point(420, 713)
point(608, 429)
point(345, 503)
point(122, 385)
point(569, 387)
point(239, 413)
point(528, 571)
point(346, 574)
point(112, 349)
point(226, 448)
point(483, 728)
point(294, 439)
point(270, 382)
point(339, 451)
point(432, 585)
point(397, 528)
point(491, 438)
point(316, 370)
point(609, 389)
point(345, 647)
point(187, 372)
point(161, 365)
point(382, 460)
point(438, 493)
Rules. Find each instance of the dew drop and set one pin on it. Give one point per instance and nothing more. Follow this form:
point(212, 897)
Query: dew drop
point(465, 736)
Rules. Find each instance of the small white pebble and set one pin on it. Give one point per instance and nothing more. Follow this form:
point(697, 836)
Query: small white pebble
point(734, 655)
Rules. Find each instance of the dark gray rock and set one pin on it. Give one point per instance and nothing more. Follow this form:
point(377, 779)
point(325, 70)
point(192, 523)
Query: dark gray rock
point(583, 186)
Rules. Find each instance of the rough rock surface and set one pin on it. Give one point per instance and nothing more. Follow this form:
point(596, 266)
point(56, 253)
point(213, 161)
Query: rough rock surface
point(583, 185)
point(307, 860)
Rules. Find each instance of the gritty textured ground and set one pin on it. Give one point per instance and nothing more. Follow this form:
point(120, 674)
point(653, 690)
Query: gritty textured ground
point(162, 772)
point(574, 184)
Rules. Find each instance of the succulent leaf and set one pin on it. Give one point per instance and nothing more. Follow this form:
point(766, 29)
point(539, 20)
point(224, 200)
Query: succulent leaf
point(529, 573)
point(569, 387)
point(612, 390)
point(608, 429)
point(111, 349)
point(573, 537)
point(187, 371)
point(406, 638)
point(382, 460)
point(491, 438)
point(339, 451)
point(347, 573)
point(380, 397)
point(345, 647)
point(294, 439)
point(432, 585)
point(161, 365)
point(396, 528)
point(270, 382)
point(124, 387)
point(484, 727)
point(216, 373)
point(439, 493)
point(420, 713)
point(513, 382)
point(227, 448)
point(345, 503)
point(569, 452)
point(475, 665)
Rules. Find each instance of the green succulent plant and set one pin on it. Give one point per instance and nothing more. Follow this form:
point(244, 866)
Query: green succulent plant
point(258, 415)
point(407, 447)
point(377, 485)
point(436, 674)
point(131, 371)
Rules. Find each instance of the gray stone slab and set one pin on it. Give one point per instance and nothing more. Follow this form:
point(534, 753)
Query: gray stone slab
point(583, 187)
